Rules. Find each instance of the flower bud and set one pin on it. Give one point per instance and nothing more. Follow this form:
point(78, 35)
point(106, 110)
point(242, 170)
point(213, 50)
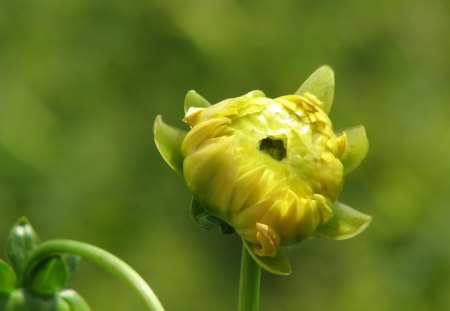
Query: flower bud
point(270, 168)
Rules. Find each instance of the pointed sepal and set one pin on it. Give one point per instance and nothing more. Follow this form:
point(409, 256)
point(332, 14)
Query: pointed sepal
point(320, 84)
point(279, 264)
point(345, 224)
point(48, 276)
point(202, 217)
point(7, 278)
point(356, 148)
point(193, 99)
point(168, 140)
point(22, 241)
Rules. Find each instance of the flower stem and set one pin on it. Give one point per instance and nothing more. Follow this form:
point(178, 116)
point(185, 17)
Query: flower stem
point(104, 259)
point(249, 284)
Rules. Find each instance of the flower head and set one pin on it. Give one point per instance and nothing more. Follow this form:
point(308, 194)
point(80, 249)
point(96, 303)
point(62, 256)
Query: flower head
point(270, 169)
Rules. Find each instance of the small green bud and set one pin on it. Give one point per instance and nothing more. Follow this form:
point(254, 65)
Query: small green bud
point(22, 241)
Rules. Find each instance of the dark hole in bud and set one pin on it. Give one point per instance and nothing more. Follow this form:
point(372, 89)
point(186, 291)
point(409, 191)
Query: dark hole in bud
point(273, 147)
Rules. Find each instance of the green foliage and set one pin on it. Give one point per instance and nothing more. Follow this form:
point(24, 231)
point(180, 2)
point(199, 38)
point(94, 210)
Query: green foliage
point(35, 285)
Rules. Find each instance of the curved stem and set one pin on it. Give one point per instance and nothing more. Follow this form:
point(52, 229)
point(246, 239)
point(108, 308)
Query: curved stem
point(104, 259)
point(249, 284)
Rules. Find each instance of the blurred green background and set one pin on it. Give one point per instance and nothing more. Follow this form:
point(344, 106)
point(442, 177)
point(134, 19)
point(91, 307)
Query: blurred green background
point(82, 81)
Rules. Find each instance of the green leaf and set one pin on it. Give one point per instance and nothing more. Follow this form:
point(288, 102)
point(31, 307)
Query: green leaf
point(346, 223)
point(168, 140)
point(320, 84)
point(22, 240)
point(277, 265)
point(193, 99)
point(356, 148)
point(48, 276)
point(202, 217)
point(7, 278)
point(75, 301)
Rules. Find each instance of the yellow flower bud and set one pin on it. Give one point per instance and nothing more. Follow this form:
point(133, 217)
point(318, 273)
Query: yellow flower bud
point(272, 169)
point(268, 167)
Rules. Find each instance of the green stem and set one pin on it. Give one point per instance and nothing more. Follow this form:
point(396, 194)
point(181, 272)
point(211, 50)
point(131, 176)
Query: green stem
point(104, 259)
point(249, 284)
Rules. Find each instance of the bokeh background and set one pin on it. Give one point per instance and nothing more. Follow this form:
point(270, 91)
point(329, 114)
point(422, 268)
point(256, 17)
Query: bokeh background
point(82, 81)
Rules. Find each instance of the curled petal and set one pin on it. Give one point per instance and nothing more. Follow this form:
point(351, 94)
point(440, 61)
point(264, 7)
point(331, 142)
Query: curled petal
point(193, 99)
point(320, 84)
point(345, 224)
point(356, 148)
point(168, 140)
point(268, 239)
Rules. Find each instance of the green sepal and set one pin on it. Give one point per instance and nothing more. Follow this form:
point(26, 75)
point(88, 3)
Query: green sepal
point(277, 265)
point(74, 300)
point(345, 224)
point(168, 140)
point(202, 217)
point(226, 228)
point(21, 242)
point(356, 149)
point(207, 220)
point(320, 84)
point(193, 99)
point(48, 276)
point(7, 278)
